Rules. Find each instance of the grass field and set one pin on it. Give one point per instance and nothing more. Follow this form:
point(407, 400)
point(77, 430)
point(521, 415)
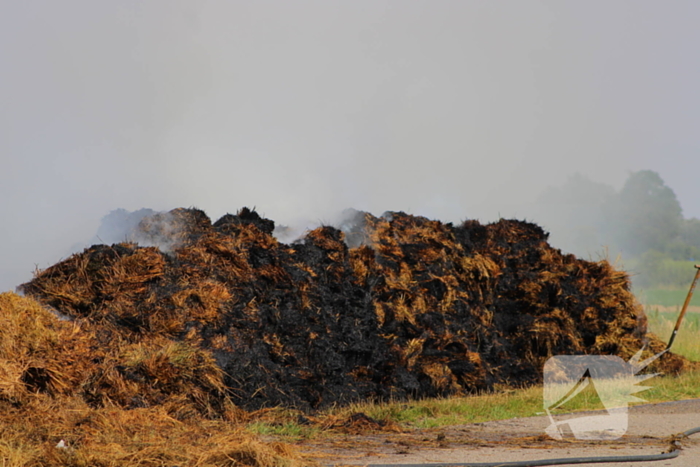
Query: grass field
point(667, 297)
point(686, 342)
point(440, 412)
point(515, 403)
point(662, 308)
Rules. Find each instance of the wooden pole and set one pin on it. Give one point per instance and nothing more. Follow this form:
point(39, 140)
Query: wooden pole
point(685, 307)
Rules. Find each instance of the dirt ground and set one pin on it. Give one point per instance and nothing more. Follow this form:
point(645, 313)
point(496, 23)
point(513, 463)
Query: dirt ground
point(650, 430)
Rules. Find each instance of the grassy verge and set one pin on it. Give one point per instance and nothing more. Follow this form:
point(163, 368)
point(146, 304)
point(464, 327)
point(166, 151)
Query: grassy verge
point(673, 388)
point(436, 413)
point(433, 413)
point(667, 297)
point(662, 307)
point(517, 403)
point(686, 342)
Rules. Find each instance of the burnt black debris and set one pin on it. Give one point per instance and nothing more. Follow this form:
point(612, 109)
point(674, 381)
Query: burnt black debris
point(385, 307)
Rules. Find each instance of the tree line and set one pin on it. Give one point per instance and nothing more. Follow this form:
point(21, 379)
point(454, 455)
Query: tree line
point(642, 223)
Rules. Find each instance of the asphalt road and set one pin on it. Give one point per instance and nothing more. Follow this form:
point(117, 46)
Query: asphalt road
point(650, 428)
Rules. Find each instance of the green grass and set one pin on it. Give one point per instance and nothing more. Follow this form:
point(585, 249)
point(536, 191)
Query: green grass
point(672, 388)
point(687, 341)
point(662, 307)
point(667, 297)
point(438, 413)
point(527, 402)
point(432, 413)
point(289, 430)
point(499, 405)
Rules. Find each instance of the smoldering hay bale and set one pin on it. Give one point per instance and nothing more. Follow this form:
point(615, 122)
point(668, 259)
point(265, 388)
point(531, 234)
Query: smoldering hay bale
point(42, 354)
point(413, 308)
point(38, 351)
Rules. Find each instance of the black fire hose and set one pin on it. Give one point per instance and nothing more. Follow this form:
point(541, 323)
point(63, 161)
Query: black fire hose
point(562, 461)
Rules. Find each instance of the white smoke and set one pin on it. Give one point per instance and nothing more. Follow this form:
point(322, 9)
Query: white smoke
point(449, 109)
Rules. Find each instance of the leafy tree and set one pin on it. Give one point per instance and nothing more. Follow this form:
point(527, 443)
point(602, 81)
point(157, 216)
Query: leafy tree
point(690, 233)
point(656, 269)
point(645, 215)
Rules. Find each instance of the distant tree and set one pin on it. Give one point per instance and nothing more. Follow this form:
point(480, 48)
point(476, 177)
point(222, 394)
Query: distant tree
point(690, 236)
point(690, 232)
point(645, 215)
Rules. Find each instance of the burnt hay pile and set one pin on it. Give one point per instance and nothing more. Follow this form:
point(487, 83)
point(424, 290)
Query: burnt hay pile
point(415, 308)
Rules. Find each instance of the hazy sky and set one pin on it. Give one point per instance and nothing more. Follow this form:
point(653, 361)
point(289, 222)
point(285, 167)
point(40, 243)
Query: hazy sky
point(450, 109)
